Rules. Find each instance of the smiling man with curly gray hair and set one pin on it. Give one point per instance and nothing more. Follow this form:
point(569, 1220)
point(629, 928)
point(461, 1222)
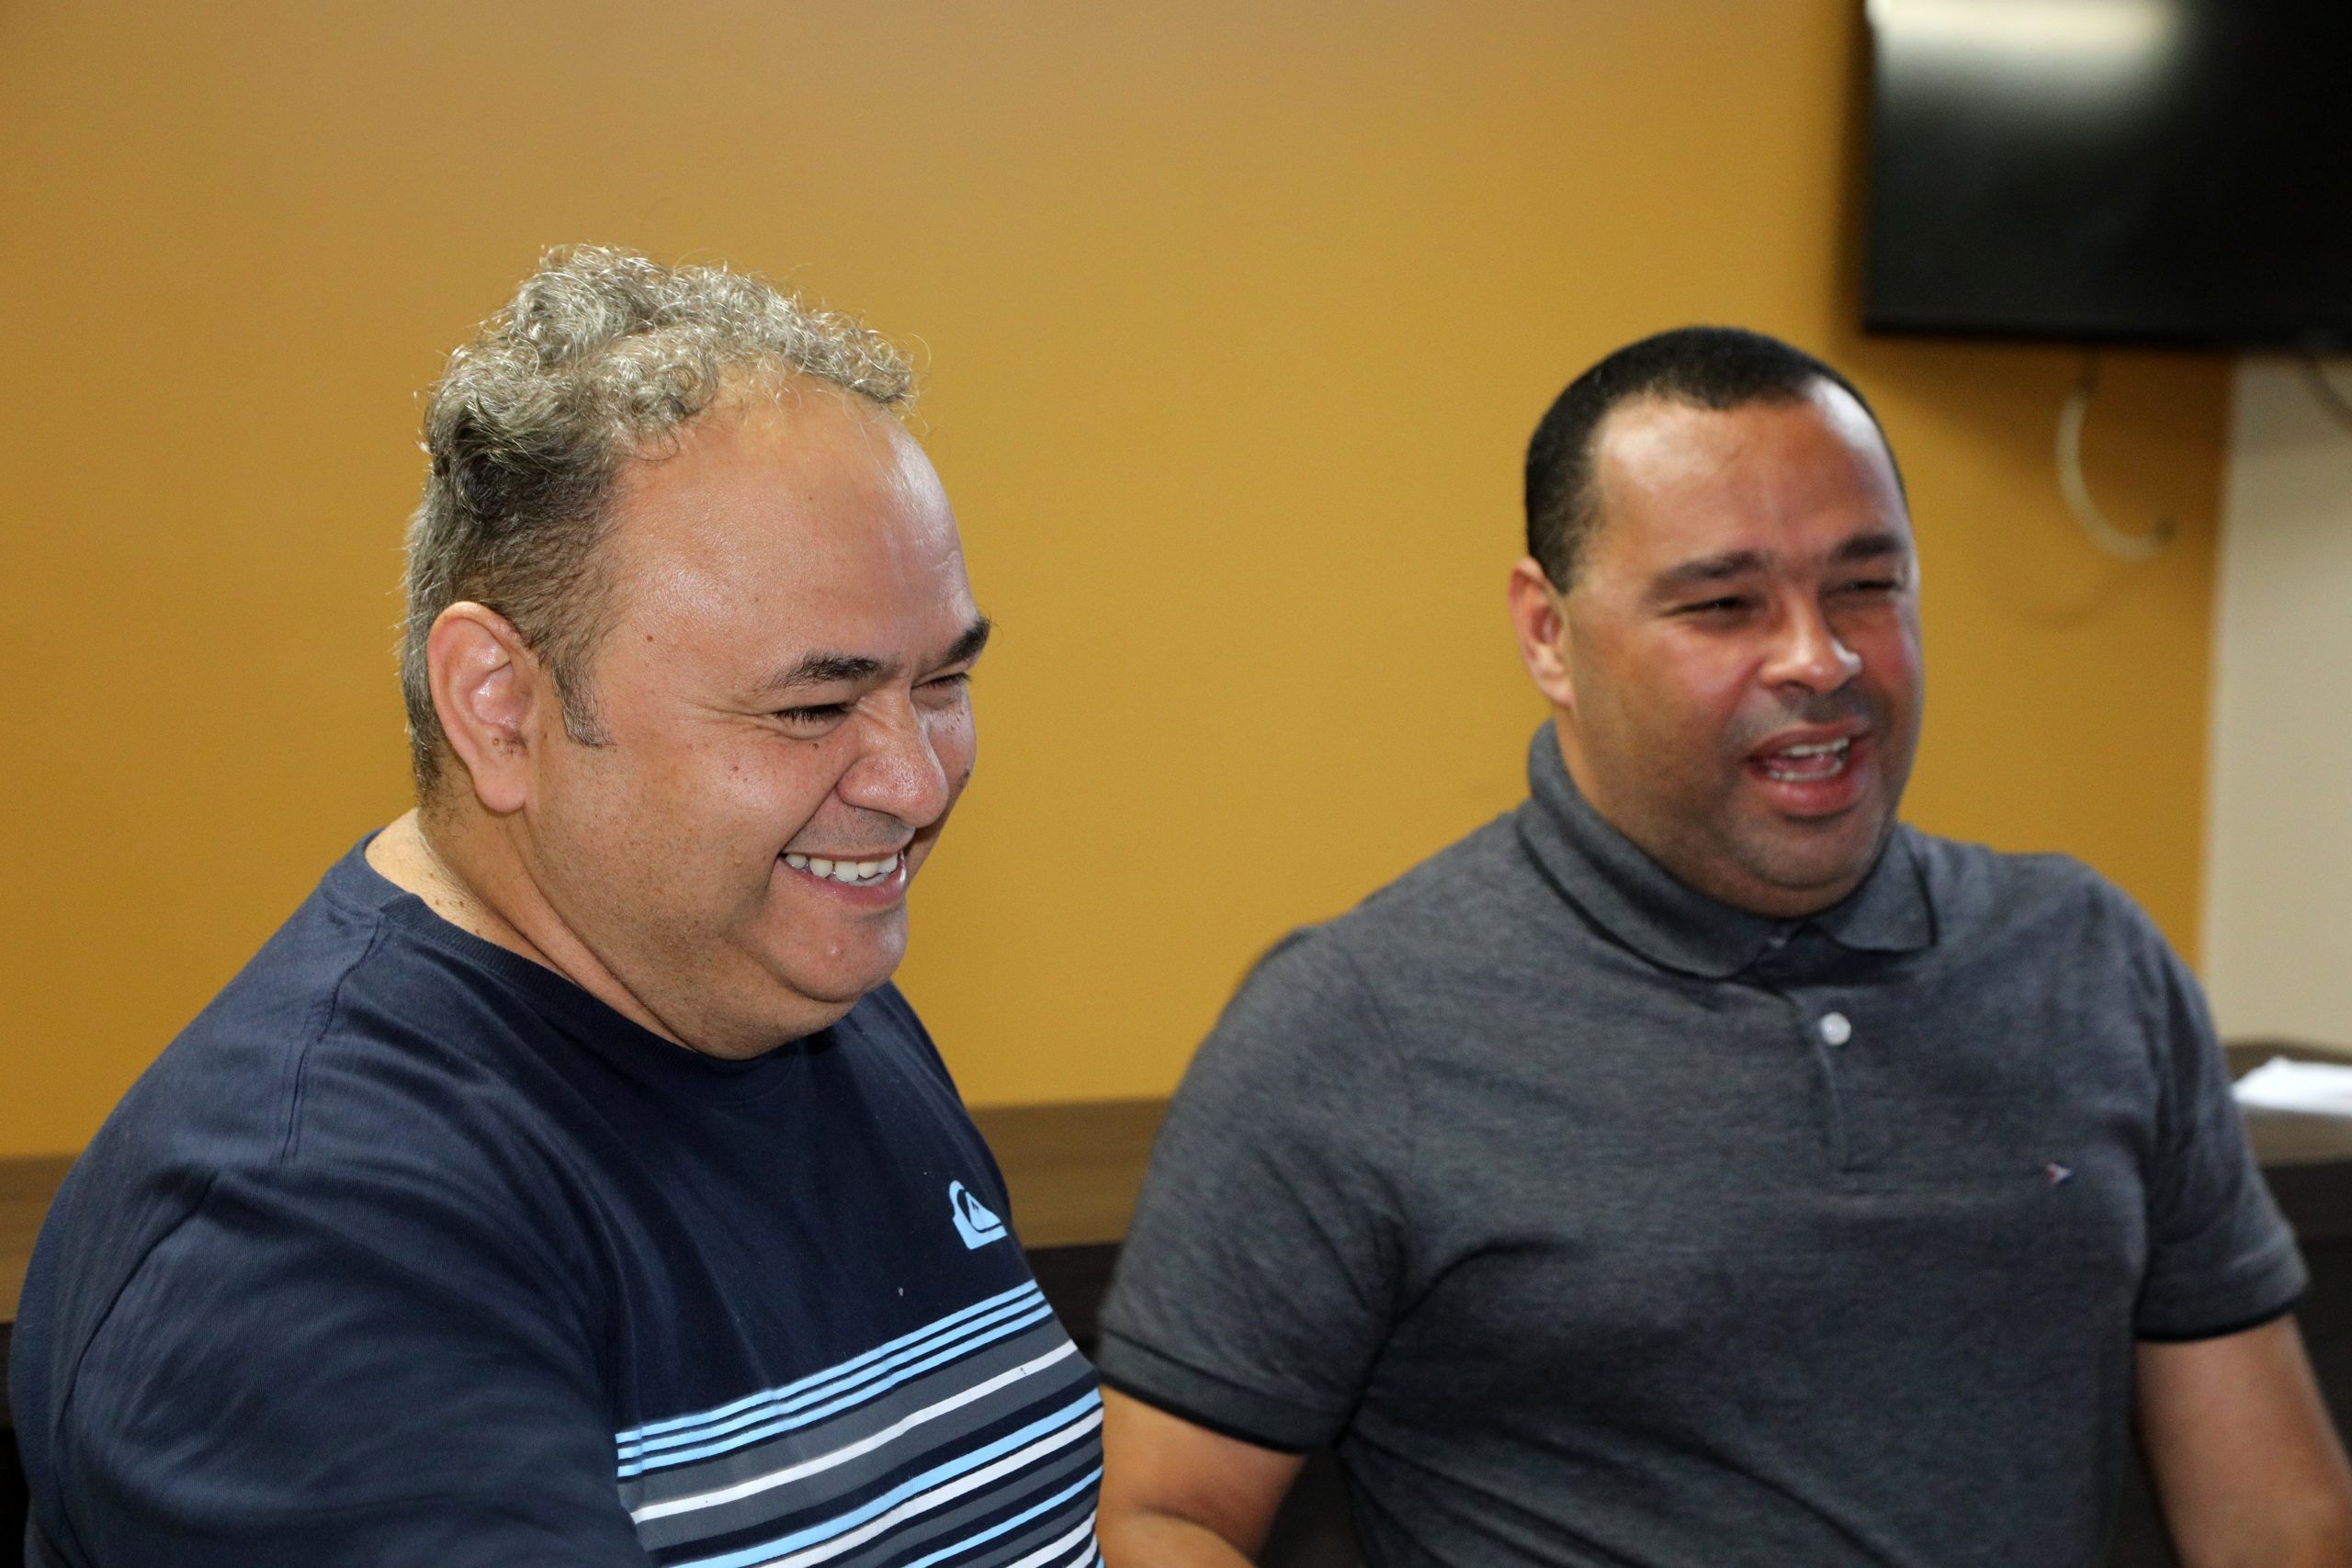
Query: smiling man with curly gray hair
point(566, 1182)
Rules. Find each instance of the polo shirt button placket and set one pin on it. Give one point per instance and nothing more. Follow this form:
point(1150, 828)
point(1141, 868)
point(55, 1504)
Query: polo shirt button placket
point(1830, 1031)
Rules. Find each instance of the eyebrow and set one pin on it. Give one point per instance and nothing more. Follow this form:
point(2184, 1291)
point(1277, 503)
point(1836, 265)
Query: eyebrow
point(826, 668)
point(968, 646)
point(1706, 569)
point(1870, 546)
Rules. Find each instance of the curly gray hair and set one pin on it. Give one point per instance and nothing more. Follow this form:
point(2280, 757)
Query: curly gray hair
point(600, 354)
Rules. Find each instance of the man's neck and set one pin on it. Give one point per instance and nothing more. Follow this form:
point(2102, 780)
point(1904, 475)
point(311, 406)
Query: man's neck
point(405, 855)
point(468, 879)
point(469, 871)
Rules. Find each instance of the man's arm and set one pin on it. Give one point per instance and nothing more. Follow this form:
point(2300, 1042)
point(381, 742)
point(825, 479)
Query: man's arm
point(1178, 1495)
point(337, 1368)
point(2246, 1461)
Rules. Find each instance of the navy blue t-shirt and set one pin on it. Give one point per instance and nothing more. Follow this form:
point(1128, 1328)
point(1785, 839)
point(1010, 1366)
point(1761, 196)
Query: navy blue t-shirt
point(410, 1251)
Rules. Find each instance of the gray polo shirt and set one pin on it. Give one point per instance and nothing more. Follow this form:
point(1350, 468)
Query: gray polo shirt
point(1600, 1224)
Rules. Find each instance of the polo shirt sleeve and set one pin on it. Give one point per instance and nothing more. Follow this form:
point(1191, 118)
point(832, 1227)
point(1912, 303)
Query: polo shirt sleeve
point(1260, 1273)
point(2220, 1257)
point(340, 1367)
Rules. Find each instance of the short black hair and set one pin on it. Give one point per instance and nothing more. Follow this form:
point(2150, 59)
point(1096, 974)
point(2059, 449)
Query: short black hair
point(1710, 367)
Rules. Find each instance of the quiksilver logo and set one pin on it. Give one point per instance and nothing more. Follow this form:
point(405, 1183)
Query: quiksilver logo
point(974, 1221)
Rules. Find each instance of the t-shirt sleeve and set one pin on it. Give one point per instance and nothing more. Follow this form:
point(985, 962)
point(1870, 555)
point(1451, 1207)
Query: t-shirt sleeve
point(340, 1368)
point(1260, 1273)
point(2220, 1257)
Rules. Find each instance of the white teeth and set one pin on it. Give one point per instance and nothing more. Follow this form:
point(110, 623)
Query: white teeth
point(1834, 750)
point(849, 872)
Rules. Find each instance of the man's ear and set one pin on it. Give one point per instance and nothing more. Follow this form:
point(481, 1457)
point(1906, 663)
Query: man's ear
point(484, 681)
point(1540, 618)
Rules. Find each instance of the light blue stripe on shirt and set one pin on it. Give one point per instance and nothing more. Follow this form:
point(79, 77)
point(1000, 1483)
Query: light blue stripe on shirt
point(768, 1428)
point(637, 1434)
point(1022, 1518)
point(1069, 1416)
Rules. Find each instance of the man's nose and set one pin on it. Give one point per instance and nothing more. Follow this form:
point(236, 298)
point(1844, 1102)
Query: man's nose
point(1806, 653)
point(899, 773)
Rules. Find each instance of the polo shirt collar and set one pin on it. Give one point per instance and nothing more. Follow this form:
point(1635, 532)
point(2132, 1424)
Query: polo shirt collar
point(1644, 907)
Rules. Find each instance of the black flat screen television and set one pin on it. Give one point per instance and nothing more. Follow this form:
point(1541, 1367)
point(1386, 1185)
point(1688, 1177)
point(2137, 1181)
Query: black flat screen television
point(2150, 171)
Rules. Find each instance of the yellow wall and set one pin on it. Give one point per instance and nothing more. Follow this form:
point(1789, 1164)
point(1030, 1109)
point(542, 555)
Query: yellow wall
point(1238, 313)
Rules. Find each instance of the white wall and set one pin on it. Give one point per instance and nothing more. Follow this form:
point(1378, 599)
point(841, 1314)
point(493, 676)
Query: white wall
point(2277, 919)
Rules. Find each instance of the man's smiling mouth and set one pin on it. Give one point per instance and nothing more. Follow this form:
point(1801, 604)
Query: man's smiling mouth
point(849, 872)
point(1800, 764)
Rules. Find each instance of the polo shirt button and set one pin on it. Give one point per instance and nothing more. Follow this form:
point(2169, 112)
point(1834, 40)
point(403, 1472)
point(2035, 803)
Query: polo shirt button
point(1836, 1027)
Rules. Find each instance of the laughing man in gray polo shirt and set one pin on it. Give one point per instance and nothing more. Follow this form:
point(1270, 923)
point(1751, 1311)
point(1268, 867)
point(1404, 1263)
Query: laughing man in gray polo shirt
point(1695, 1166)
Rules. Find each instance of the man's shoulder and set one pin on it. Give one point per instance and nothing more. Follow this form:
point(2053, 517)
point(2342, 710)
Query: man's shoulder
point(1445, 921)
point(2037, 909)
point(237, 1118)
point(228, 1083)
point(350, 1043)
point(354, 974)
point(1451, 906)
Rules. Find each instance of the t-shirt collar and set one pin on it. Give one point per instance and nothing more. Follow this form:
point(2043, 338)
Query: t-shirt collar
point(1672, 924)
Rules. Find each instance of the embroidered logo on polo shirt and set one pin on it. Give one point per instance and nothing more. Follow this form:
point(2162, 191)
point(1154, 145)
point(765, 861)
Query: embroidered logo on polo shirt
point(2058, 1175)
point(975, 1222)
